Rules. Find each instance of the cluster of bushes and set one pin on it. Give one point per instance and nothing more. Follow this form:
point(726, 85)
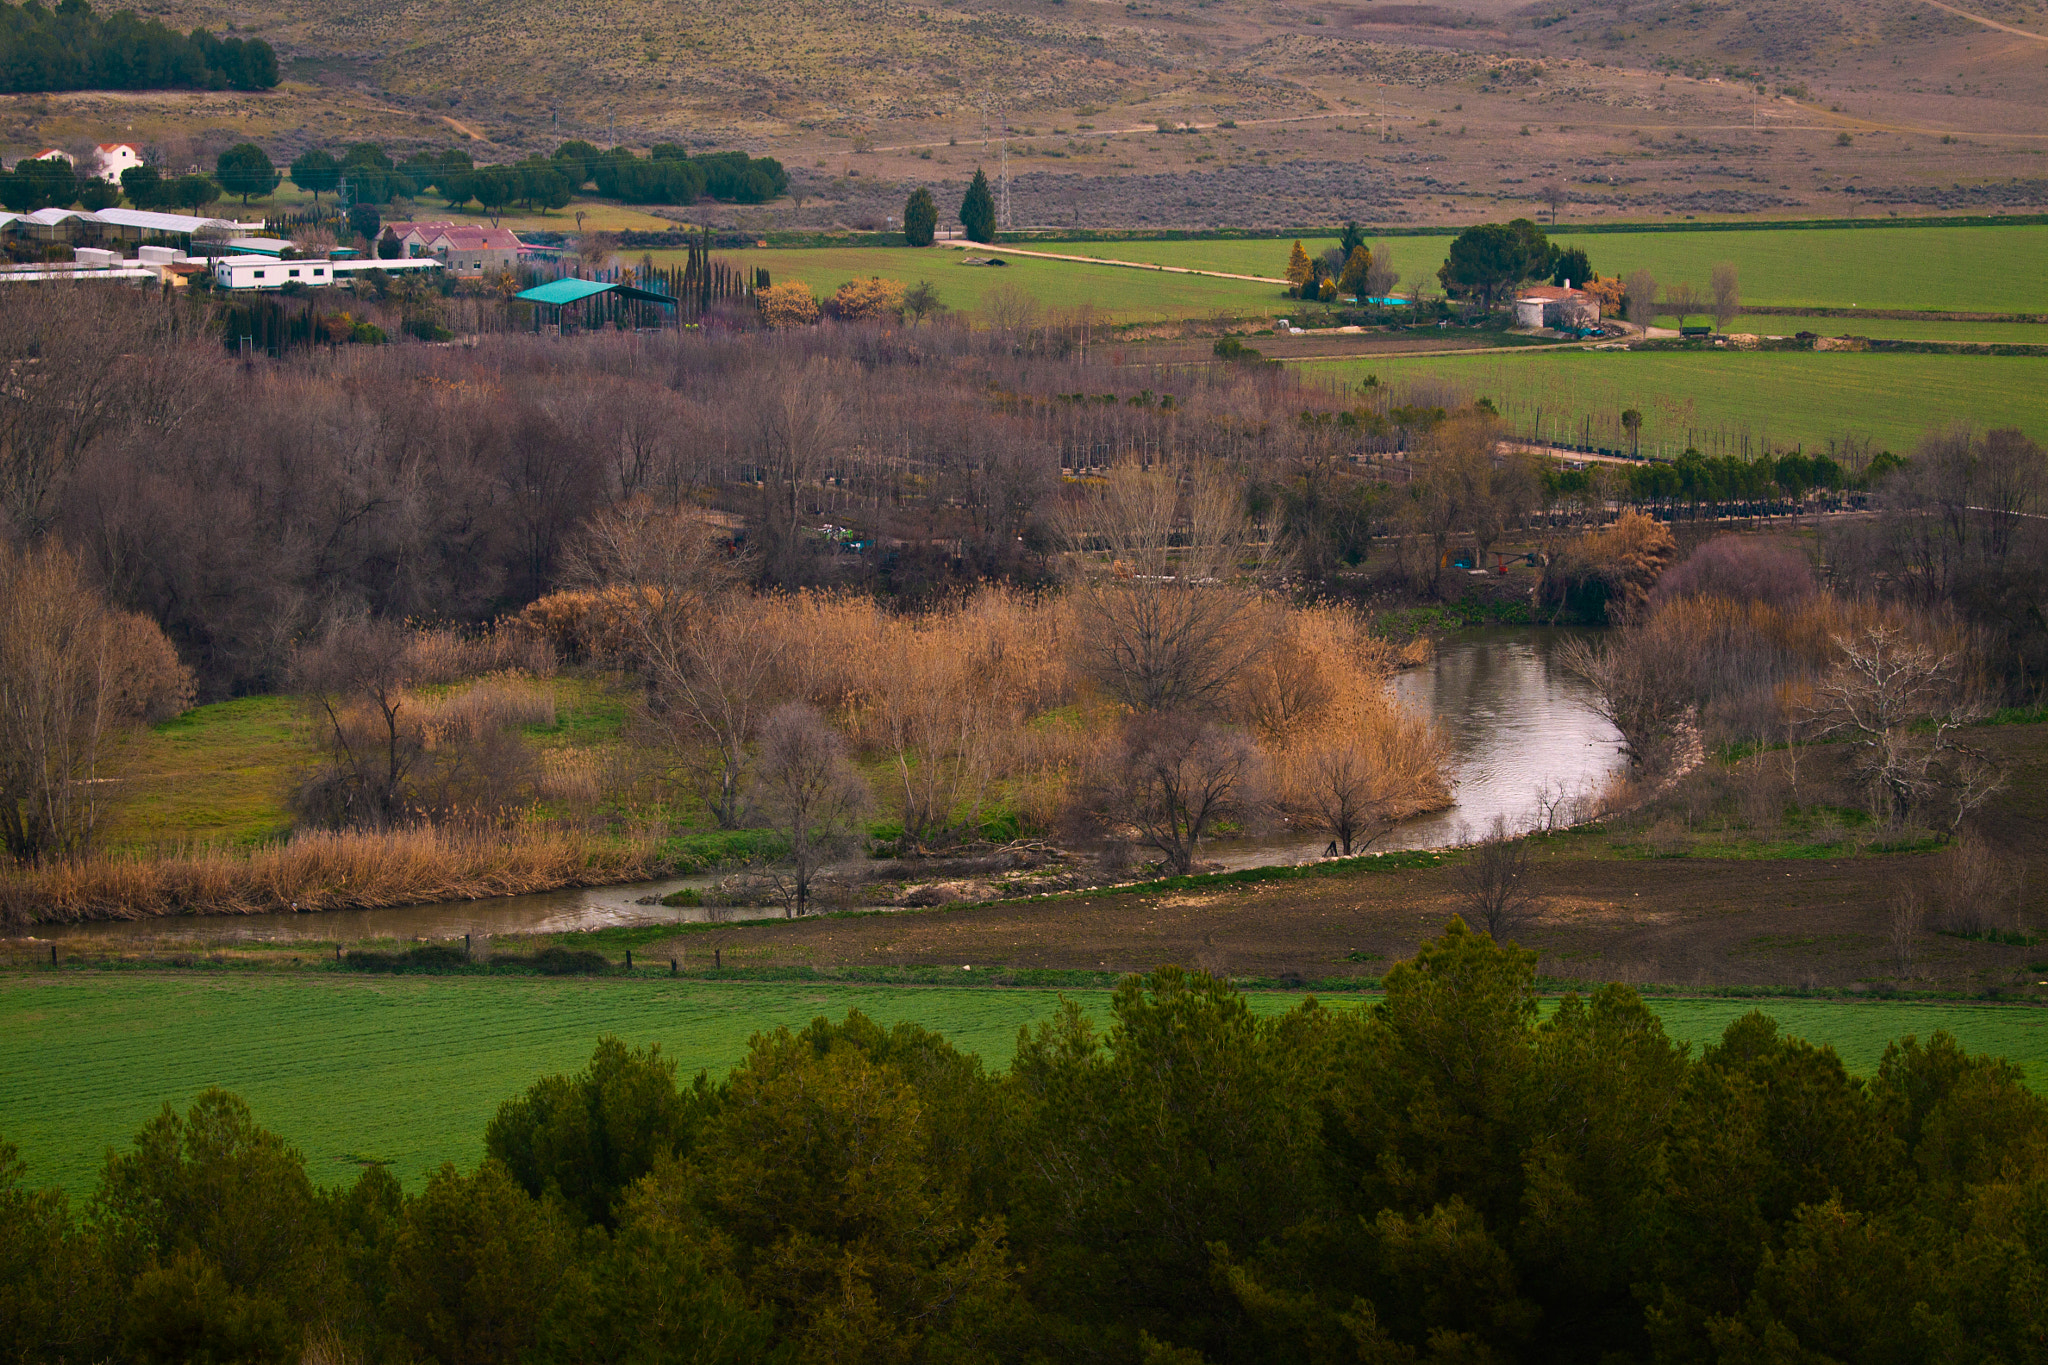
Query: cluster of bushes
point(1443, 1175)
point(73, 48)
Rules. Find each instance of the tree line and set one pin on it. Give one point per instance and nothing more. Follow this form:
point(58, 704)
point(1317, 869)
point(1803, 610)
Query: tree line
point(71, 47)
point(1452, 1173)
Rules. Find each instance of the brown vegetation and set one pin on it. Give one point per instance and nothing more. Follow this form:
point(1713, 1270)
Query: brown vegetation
point(72, 674)
point(320, 870)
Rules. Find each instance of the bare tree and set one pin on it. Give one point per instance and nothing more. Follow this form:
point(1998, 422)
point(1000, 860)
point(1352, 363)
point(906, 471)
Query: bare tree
point(76, 362)
point(1727, 295)
point(353, 676)
point(1494, 880)
point(1898, 703)
point(1380, 276)
point(1681, 301)
point(1350, 795)
point(1173, 778)
point(72, 674)
point(1639, 296)
point(1164, 613)
point(668, 574)
point(811, 792)
point(1556, 196)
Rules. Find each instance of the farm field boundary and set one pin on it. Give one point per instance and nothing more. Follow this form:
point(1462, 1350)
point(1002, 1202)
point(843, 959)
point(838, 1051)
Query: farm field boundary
point(1715, 400)
point(408, 1071)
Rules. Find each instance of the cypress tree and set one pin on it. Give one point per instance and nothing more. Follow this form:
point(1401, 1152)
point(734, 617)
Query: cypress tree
point(921, 217)
point(978, 209)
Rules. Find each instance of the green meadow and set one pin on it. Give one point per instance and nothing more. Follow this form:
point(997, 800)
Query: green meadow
point(1711, 399)
point(1959, 269)
point(408, 1070)
point(1115, 293)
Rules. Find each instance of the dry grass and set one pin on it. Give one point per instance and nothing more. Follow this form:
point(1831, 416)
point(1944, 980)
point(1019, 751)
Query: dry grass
point(501, 701)
point(324, 871)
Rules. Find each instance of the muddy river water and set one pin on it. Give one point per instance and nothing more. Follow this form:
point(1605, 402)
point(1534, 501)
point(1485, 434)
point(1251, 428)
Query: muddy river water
point(1517, 727)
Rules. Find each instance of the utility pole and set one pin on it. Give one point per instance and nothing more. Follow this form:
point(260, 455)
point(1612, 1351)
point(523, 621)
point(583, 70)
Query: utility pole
point(1003, 171)
point(611, 132)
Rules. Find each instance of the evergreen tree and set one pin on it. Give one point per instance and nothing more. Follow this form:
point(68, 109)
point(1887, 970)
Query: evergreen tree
point(314, 171)
point(978, 209)
point(1352, 238)
point(920, 217)
point(244, 169)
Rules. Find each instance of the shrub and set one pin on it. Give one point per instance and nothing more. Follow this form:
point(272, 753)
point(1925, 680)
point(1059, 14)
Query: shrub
point(788, 305)
point(869, 300)
point(1741, 569)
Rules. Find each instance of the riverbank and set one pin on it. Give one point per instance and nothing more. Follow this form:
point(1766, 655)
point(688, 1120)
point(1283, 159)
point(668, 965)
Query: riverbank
point(1684, 895)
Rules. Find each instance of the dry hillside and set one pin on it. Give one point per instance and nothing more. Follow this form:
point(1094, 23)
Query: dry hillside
point(1443, 112)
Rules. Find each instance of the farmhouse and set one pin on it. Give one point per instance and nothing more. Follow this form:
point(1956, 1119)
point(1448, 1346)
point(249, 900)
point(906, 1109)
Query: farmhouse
point(465, 248)
point(1549, 305)
point(112, 158)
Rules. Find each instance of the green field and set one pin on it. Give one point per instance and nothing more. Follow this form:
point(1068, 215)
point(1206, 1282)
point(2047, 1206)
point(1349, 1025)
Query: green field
point(1894, 329)
point(408, 1070)
point(1976, 269)
point(1115, 293)
point(1709, 400)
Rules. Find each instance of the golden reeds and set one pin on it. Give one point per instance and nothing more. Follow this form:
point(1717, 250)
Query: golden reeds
point(324, 871)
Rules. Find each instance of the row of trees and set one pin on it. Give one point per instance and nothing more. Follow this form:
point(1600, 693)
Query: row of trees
point(1449, 1174)
point(72, 48)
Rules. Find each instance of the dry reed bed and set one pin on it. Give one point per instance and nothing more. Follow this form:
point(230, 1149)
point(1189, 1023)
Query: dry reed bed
point(324, 871)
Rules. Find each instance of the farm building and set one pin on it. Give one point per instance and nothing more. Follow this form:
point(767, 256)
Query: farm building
point(112, 158)
point(266, 272)
point(465, 248)
point(1549, 305)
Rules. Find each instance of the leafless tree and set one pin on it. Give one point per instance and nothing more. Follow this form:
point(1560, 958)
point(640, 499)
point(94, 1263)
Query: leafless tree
point(1639, 295)
point(1727, 295)
point(76, 362)
point(353, 675)
point(1172, 779)
point(1463, 483)
point(811, 793)
point(670, 576)
point(1556, 196)
point(1681, 301)
point(1632, 689)
point(1350, 796)
point(1164, 609)
point(795, 417)
point(1898, 703)
point(1381, 277)
point(1495, 882)
point(72, 675)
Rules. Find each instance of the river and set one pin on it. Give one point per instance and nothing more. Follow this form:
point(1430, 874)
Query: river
point(1515, 724)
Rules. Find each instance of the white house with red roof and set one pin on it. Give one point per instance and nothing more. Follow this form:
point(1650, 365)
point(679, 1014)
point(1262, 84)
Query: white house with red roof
point(112, 158)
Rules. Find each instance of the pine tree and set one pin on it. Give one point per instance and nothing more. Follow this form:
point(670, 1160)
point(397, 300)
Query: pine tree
point(978, 210)
point(920, 218)
point(1298, 267)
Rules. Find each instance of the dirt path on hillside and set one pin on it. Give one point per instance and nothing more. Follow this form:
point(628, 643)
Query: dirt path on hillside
point(1988, 23)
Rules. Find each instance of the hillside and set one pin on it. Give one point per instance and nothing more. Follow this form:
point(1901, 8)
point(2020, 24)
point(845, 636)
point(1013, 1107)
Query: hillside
point(1439, 112)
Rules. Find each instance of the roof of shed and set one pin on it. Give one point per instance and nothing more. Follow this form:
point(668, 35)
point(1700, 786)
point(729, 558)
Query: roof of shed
point(573, 290)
